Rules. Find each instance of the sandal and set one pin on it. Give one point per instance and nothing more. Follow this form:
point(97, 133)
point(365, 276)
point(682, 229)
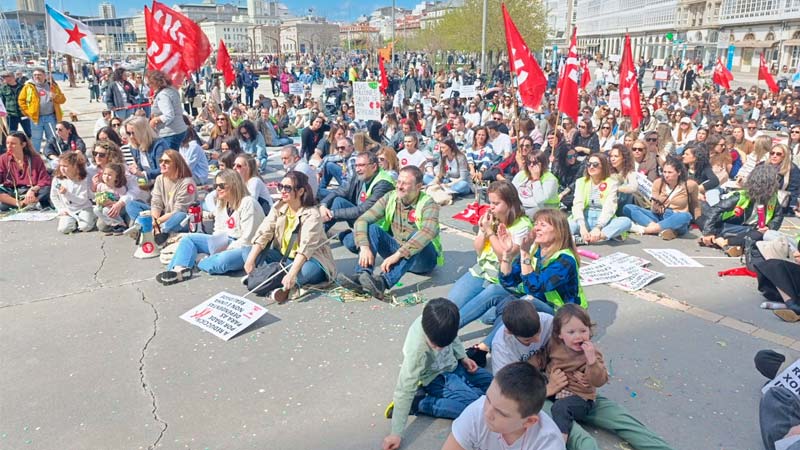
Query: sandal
point(787, 315)
point(170, 277)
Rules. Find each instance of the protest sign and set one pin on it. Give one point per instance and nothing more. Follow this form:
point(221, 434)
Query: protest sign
point(30, 216)
point(671, 257)
point(296, 88)
point(622, 259)
point(638, 278)
point(645, 185)
point(660, 75)
point(613, 100)
point(224, 315)
point(599, 273)
point(367, 100)
point(789, 379)
point(467, 91)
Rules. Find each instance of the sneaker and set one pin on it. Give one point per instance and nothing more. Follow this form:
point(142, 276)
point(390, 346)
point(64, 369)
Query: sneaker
point(349, 283)
point(133, 232)
point(637, 229)
point(373, 285)
point(279, 296)
point(476, 354)
point(668, 234)
point(418, 396)
point(578, 239)
point(389, 410)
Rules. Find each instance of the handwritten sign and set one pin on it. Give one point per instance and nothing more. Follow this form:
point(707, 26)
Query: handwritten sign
point(296, 88)
point(224, 315)
point(599, 274)
point(613, 100)
point(367, 100)
point(638, 277)
point(661, 75)
point(622, 260)
point(789, 379)
point(671, 257)
point(645, 185)
point(467, 91)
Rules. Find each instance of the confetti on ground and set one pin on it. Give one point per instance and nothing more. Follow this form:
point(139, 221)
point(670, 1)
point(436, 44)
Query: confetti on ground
point(343, 295)
point(654, 384)
point(722, 343)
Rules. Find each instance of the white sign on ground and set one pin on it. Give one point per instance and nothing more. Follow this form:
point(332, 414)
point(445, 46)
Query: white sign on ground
point(224, 315)
point(296, 88)
point(367, 100)
point(638, 278)
point(600, 273)
point(622, 259)
point(789, 379)
point(671, 257)
point(30, 216)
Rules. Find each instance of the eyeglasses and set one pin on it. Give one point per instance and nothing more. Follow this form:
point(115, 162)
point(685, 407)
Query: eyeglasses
point(775, 153)
point(100, 154)
point(751, 128)
point(165, 161)
point(526, 145)
point(593, 164)
point(116, 125)
point(341, 148)
point(605, 128)
point(219, 186)
point(572, 156)
point(637, 149)
point(651, 139)
point(284, 188)
point(795, 131)
point(533, 163)
point(717, 124)
point(220, 119)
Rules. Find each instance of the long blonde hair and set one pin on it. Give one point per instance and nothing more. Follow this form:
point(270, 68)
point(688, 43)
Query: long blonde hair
point(761, 147)
point(142, 132)
point(786, 165)
point(235, 187)
point(558, 220)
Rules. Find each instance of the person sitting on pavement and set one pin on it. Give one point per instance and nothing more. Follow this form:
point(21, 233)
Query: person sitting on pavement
point(751, 211)
point(290, 157)
point(436, 377)
point(310, 137)
point(267, 129)
point(252, 143)
point(24, 177)
point(537, 186)
point(65, 140)
point(387, 158)
point(173, 192)
point(779, 277)
point(453, 170)
point(674, 204)
point(509, 415)
point(194, 155)
point(699, 169)
point(594, 208)
point(779, 407)
point(71, 194)
point(104, 154)
point(350, 201)
point(236, 216)
point(146, 148)
point(644, 161)
point(500, 142)
point(403, 227)
point(221, 132)
point(339, 166)
point(788, 176)
point(411, 155)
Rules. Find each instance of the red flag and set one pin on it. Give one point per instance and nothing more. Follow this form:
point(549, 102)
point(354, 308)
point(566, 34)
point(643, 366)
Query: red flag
point(175, 44)
point(224, 63)
point(530, 77)
point(384, 79)
point(763, 74)
point(585, 76)
point(629, 86)
point(472, 213)
point(568, 95)
point(722, 76)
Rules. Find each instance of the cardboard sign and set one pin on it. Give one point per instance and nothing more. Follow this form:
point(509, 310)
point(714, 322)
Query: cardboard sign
point(671, 257)
point(613, 100)
point(622, 260)
point(599, 274)
point(645, 185)
point(367, 100)
point(296, 88)
point(638, 278)
point(224, 315)
point(789, 379)
point(467, 91)
point(661, 75)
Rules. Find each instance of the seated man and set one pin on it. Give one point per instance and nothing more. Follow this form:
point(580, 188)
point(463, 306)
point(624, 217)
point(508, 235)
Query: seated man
point(338, 166)
point(290, 157)
point(267, 129)
point(501, 143)
point(403, 227)
point(349, 201)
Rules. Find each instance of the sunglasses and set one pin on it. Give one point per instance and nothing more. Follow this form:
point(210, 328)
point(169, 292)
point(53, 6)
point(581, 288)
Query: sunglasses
point(341, 148)
point(116, 125)
point(637, 149)
point(572, 156)
point(605, 128)
point(651, 139)
point(220, 119)
point(533, 163)
point(284, 188)
point(165, 161)
point(751, 128)
point(219, 186)
point(581, 127)
point(60, 129)
point(100, 154)
point(593, 164)
point(775, 153)
point(717, 124)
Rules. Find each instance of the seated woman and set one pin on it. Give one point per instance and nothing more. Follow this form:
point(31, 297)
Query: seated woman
point(309, 254)
point(749, 212)
point(674, 204)
point(387, 159)
point(453, 171)
point(696, 159)
point(788, 177)
point(593, 218)
point(567, 169)
point(779, 282)
point(194, 155)
point(66, 139)
point(480, 155)
point(537, 186)
point(644, 162)
point(221, 132)
point(245, 166)
point(719, 158)
point(105, 154)
point(622, 171)
point(146, 148)
point(23, 175)
point(476, 290)
point(236, 215)
point(174, 191)
point(252, 143)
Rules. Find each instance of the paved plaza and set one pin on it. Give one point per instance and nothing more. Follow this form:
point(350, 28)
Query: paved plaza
point(95, 356)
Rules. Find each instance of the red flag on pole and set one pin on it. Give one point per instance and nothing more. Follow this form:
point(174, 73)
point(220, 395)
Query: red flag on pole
point(763, 74)
point(175, 44)
point(722, 76)
point(530, 77)
point(384, 79)
point(568, 95)
point(629, 86)
point(224, 63)
point(586, 77)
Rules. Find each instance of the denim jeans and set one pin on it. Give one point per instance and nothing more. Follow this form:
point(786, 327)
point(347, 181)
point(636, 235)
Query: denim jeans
point(779, 410)
point(172, 225)
point(382, 243)
point(310, 273)
point(348, 239)
point(261, 159)
point(670, 220)
point(330, 170)
point(450, 393)
point(339, 203)
point(461, 187)
point(613, 228)
point(174, 141)
point(16, 121)
point(46, 127)
point(491, 296)
point(192, 244)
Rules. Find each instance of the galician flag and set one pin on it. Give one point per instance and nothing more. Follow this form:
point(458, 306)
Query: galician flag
point(70, 36)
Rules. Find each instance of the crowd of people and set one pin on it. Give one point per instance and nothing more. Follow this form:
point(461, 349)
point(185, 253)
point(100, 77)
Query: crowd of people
point(722, 162)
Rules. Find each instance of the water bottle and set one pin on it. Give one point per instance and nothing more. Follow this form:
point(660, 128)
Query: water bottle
point(762, 220)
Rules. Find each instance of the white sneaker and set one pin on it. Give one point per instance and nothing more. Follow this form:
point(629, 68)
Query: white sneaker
point(637, 229)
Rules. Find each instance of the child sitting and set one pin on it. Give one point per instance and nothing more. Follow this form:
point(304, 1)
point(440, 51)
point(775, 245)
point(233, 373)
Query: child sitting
point(70, 194)
point(522, 335)
point(509, 415)
point(436, 378)
point(571, 350)
point(109, 191)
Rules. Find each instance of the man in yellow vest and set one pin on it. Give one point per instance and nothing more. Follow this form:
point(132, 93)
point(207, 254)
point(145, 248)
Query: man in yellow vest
point(403, 227)
point(40, 100)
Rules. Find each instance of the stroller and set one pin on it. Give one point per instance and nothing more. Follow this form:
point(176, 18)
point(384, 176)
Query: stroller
point(333, 101)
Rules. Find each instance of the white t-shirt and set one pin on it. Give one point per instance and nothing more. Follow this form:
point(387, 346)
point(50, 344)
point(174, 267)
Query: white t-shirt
point(507, 349)
point(407, 159)
point(257, 189)
point(502, 144)
point(472, 433)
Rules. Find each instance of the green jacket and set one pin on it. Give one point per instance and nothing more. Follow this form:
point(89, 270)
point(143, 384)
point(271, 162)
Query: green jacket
point(10, 95)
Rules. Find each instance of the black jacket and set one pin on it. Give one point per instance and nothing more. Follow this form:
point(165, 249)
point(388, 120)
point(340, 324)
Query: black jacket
point(712, 217)
point(350, 192)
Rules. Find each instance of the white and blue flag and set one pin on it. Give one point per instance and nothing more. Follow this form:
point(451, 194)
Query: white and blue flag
point(71, 36)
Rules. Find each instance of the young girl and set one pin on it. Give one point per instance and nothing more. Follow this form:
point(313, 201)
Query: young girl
point(70, 194)
point(571, 351)
point(109, 191)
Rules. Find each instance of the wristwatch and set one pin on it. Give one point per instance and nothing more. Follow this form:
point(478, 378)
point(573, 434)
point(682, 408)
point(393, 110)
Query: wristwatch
point(526, 261)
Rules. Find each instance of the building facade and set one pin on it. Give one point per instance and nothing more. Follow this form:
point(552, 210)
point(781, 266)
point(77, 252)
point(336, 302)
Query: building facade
point(308, 35)
point(107, 10)
point(31, 5)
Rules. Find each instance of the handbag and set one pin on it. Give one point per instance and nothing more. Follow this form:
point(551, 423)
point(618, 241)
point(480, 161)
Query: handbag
point(266, 277)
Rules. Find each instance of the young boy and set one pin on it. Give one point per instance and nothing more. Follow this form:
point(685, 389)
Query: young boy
point(509, 416)
point(519, 338)
point(436, 378)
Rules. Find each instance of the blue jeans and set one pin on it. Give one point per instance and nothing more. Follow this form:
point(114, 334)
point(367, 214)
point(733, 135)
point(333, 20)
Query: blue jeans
point(733, 229)
point(382, 243)
point(261, 158)
point(339, 203)
point(670, 220)
point(613, 228)
point(461, 187)
point(46, 127)
point(450, 393)
point(192, 244)
point(233, 260)
point(330, 170)
point(310, 273)
point(174, 141)
point(172, 225)
point(490, 296)
point(18, 121)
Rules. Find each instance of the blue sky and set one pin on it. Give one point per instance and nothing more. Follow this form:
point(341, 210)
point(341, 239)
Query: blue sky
point(334, 10)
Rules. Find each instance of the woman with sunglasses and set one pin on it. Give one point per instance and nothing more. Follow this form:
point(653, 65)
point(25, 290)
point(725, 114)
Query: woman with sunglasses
point(536, 185)
point(253, 143)
point(605, 137)
point(788, 177)
point(173, 192)
point(387, 159)
point(236, 217)
point(585, 140)
point(65, 140)
point(593, 218)
point(720, 158)
point(146, 148)
point(644, 162)
point(221, 132)
point(794, 144)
